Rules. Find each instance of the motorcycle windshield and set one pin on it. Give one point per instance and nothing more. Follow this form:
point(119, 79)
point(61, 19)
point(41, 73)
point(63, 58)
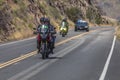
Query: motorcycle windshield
point(63, 25)
point(44, 32)
point(44, 29)
point(82, 24)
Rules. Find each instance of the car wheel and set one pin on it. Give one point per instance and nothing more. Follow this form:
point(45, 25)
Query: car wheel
point(75, 29)
point(87, 30)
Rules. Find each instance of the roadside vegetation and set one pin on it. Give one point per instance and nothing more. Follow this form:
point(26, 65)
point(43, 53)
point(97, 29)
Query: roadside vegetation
point(118, 30)
point(19, 16)
point(94, 16)
point(74, 13)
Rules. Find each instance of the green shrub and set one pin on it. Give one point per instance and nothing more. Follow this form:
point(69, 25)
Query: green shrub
point(16, 1)
point(118, 32)
point(1, 4)
point(1, 1)
point(30, 25)
point(93, 16)
point(98, 19)
point(89, 14)
point(74, 13)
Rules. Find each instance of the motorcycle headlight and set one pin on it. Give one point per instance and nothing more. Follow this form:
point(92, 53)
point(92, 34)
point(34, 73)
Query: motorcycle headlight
point(61, 28)
point(65, 29)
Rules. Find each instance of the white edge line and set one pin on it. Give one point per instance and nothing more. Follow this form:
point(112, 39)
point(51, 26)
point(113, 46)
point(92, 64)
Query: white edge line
point(102, 77)
point(16, 41)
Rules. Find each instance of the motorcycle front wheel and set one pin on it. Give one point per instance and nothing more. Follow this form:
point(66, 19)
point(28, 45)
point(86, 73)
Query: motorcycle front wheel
point(43, 51)
point(63, 35)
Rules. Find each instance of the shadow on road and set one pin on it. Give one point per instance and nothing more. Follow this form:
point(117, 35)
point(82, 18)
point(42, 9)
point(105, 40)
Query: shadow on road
point(55, 58)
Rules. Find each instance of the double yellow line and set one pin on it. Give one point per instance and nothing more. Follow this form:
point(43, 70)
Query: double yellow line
point(17, 59)
point(23, 57)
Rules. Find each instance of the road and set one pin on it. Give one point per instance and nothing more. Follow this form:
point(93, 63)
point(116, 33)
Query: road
point(80, 55)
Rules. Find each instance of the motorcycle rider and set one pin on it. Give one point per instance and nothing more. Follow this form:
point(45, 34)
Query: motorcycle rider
point(45, 21)
point(66, 23)
point(38, 36)
point(52, 31)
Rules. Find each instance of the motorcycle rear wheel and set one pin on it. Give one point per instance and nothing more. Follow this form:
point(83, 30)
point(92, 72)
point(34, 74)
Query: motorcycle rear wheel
point(43, 56)
point(63, 35)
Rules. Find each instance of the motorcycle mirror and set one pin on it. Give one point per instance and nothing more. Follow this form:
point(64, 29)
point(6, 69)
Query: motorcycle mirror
point(34, 28)
point(35, 32)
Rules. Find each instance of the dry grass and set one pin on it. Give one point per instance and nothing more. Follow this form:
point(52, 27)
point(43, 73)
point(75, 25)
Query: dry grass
point(118, 32)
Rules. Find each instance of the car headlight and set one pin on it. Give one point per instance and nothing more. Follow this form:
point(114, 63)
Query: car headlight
point(86, 26)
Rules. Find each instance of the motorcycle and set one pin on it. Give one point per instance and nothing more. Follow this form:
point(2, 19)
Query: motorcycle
point(44, 34)
point(63, 30)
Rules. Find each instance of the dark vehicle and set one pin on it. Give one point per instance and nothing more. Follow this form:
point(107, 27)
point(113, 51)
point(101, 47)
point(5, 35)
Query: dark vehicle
point(81, 25)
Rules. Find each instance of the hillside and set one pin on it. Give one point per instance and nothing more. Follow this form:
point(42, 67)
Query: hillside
point(18, 17)
point(110, 7)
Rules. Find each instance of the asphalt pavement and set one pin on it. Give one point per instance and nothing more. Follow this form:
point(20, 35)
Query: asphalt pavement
point(80, 58)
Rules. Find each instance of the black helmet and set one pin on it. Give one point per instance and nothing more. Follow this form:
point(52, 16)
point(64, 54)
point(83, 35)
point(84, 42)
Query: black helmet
point(65, 19)
point(42, 19)
point(47, 20)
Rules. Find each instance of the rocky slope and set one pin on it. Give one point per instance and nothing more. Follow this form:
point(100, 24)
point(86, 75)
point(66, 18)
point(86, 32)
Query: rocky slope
point(110, 7)
point(18, 17)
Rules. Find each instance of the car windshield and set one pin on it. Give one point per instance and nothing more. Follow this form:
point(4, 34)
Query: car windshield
point(82, 23)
